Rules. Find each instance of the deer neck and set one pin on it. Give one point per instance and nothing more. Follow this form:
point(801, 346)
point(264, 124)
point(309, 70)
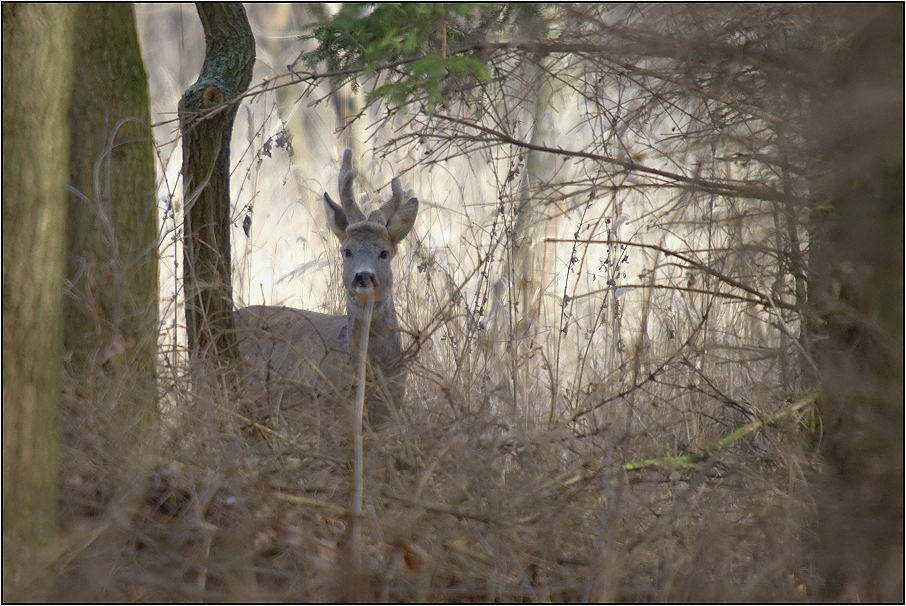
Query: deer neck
point(384, 342)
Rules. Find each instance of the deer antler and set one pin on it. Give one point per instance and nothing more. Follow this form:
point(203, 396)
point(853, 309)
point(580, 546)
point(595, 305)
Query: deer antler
point(344, 183)
point(392, 205)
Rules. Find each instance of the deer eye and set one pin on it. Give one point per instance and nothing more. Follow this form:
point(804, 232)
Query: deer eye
point(347, 253)
point(384, 254)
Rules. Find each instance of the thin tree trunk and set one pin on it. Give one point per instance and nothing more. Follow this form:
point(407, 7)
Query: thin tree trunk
point(527, 243)
point(37, 83)
point(206, 114)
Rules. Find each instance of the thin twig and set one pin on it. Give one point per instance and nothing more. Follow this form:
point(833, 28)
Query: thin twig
point(357, 428)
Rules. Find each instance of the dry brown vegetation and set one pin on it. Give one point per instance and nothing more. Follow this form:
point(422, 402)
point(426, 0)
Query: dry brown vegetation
point(464, 503)
point(636, 431)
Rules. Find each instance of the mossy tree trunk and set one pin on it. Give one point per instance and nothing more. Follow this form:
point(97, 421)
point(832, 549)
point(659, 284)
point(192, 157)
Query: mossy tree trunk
point(112, 307)
point(857, 295)
point(206, 114)
point(37, 84)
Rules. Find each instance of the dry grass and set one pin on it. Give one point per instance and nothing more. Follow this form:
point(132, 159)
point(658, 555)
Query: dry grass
point(466, 499)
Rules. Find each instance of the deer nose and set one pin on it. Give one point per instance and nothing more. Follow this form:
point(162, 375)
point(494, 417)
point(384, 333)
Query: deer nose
point(365, 279)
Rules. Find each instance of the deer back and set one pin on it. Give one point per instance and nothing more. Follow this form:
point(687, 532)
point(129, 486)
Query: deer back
point(294, 346)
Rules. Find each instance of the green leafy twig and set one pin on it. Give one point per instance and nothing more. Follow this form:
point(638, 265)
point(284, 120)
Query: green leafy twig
point(692, 460)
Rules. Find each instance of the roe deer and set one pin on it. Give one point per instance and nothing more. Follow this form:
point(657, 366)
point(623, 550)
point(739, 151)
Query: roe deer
point(298, 352)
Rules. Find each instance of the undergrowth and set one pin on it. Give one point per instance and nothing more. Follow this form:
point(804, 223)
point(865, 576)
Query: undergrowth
point(465, 500)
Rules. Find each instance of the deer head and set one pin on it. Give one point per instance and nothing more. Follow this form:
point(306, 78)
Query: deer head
point(367, 245)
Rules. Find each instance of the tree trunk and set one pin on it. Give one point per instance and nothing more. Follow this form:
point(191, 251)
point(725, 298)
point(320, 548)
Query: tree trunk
point(112, 308)
point(516, 313)
point(857, 295)
point(37, 84)
point(206, 114)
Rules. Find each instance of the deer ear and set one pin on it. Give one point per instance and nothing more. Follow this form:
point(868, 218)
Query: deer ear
point(336, 217)
point(400, 223)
